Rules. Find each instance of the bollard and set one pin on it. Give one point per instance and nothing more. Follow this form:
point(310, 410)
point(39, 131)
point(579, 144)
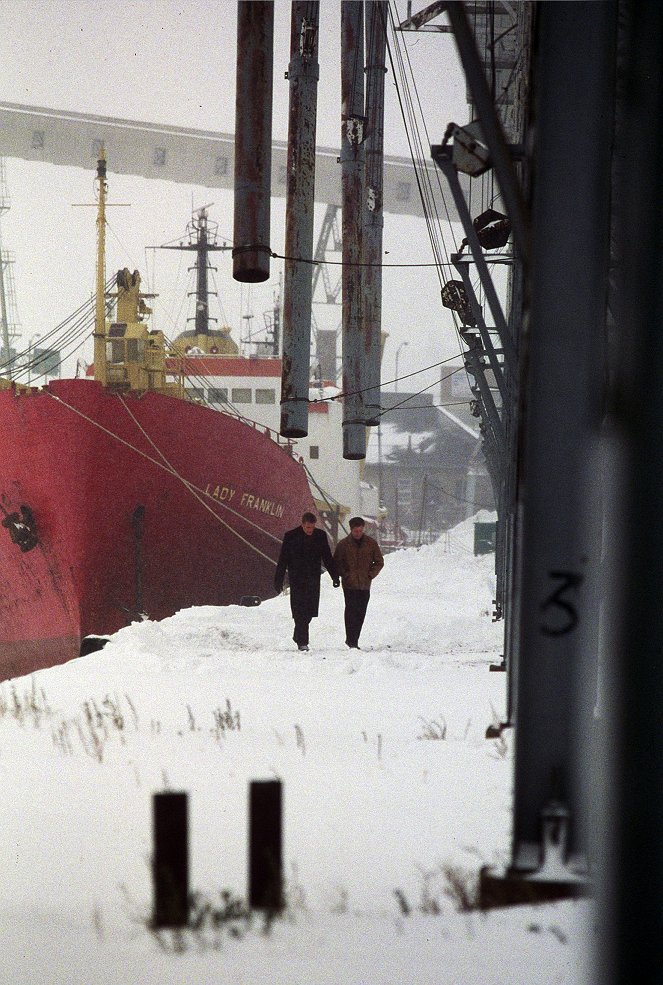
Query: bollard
point(265, 846)
point(170, 866)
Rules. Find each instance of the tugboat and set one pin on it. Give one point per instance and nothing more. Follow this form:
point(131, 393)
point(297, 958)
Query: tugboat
point(121, 499)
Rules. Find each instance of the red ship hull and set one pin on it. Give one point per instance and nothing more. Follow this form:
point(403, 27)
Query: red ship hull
point(141, 504)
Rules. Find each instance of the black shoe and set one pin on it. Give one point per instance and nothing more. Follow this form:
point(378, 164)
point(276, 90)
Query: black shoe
point(304, 647)
point(353, 646)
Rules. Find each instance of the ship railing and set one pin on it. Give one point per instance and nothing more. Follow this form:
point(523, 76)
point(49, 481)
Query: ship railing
point(287, 443)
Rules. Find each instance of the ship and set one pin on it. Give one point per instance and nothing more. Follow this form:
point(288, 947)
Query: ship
point(123, 499)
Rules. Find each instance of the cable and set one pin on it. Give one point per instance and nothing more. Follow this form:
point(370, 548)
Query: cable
point(423, 390)
point(351, 393)
point(342, 263)
point(460, 499)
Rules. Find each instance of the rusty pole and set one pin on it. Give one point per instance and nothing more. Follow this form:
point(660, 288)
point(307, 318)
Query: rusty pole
point(303, 74)
point(352, 174)
point(376, 41)
point(253, 139)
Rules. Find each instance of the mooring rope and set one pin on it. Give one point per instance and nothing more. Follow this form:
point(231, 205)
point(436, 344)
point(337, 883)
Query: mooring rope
point(167, 467)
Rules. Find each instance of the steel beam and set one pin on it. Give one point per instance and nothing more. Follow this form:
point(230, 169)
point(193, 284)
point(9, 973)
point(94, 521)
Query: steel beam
point(560, 534)
point(631, 941)
point(462, 266)
point(442, 155)
point(163, 152)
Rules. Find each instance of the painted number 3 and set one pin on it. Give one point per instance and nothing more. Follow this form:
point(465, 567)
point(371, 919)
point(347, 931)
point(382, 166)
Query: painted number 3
point(561, 603)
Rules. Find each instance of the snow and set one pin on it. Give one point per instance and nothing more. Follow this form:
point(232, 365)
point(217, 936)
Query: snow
point(389, 784)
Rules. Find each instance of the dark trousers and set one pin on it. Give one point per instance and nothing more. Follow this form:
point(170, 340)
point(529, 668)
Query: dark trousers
point(356, 603)
point(300, 635)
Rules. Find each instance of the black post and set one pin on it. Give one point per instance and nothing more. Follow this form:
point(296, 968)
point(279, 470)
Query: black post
point(265, 845)
point(170, 866)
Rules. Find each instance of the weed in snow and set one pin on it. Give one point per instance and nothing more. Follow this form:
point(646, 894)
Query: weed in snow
point(433, 729)
point(459, 885)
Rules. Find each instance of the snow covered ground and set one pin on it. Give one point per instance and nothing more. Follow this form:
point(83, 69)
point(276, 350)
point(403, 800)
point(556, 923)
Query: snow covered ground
point(392, 795)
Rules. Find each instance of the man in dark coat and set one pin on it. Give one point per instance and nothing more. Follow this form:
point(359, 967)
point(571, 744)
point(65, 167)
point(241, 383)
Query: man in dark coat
point(359, 560)
point(303, 551)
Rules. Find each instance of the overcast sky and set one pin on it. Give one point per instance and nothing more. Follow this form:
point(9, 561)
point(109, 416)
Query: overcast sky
point(173, 62)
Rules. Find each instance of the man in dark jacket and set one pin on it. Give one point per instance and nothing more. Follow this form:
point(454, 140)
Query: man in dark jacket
point(359, 560)
point(303, 551)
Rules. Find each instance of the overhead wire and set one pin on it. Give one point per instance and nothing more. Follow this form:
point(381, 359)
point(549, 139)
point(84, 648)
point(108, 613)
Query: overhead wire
point(425, 183)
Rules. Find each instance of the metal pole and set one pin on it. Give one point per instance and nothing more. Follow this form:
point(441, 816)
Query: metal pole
point(352, 176)
point(253, 140)
point(100, 367)
point(376, 40)
point(557, 670)
point(303, 74)
point(633, 734)
point(472, 359)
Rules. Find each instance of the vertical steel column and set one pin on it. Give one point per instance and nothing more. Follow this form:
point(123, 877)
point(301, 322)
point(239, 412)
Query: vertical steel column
point(352, 177)
point(303, 74)
point(560, 530)
point(253, 140)
point(633, 938)
point(376, 43)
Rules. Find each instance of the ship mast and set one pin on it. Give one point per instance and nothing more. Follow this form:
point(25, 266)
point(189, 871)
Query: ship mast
point(100, 373)
point(202, 290)
point(202, 244)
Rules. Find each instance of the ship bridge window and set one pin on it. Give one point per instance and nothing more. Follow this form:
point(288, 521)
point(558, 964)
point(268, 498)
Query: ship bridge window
point(265, 397)
point(314, 451)
point(218, 395)
point(38, 139)
point(221, 165)
point(135, 350)
point(159, 157)
point(197, 392)
point(403, 191)
point(125, 350)
point(241, 395)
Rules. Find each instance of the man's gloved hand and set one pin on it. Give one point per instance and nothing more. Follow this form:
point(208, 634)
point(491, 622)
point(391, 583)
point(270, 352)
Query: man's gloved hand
point(336, 583)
